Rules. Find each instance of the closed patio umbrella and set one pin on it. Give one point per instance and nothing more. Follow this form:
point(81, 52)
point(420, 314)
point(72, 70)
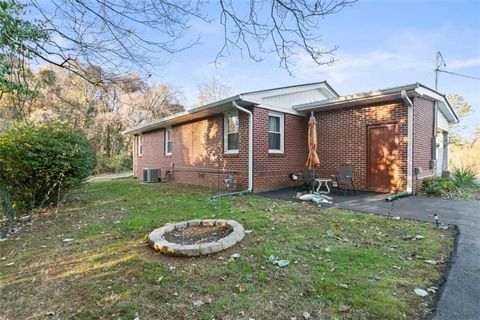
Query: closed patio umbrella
point(312, 161)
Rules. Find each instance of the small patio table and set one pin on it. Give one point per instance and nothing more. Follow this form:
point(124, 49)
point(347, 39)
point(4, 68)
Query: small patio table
point(322, 181)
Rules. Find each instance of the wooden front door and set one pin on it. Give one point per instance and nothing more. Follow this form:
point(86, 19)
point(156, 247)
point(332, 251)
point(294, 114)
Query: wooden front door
point(383, 168)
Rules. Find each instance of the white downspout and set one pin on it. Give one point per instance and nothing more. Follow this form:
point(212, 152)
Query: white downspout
point(250, 156)
point(250, 144)
point(409, 141)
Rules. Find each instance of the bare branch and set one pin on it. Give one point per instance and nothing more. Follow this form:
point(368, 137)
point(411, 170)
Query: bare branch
point(124, 36)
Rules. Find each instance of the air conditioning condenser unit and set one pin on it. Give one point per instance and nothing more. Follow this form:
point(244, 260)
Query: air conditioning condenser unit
point(151, 175)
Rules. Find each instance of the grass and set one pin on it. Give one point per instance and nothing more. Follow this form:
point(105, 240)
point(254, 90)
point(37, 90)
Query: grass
point(366, 269)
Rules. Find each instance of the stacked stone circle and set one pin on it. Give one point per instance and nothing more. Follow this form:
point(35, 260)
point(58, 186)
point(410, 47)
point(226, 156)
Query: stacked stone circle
point(159, 243)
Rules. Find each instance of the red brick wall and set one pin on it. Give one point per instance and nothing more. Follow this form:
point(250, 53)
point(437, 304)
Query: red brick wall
point(271, 170)
point(423, 110)
point(197, 153)
point(342, 138)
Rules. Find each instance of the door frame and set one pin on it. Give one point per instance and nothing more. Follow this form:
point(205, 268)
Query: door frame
point(372, 126)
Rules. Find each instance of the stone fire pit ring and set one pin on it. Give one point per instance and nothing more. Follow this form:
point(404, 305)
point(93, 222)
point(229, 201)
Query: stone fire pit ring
point(159, 243)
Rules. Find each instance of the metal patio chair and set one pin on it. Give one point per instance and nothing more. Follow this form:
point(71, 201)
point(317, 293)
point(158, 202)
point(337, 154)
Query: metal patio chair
point(345, 179)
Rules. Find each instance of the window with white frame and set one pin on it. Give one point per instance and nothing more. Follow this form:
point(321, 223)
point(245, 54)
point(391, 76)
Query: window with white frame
point(231, 126)
point(140, 145)
point(168, 141)
point(275, 132)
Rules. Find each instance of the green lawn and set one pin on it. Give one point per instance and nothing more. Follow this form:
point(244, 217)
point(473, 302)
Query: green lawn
point(342, 265)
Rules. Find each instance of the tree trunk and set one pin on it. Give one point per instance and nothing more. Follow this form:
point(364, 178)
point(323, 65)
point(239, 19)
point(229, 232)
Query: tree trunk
point(7, 203)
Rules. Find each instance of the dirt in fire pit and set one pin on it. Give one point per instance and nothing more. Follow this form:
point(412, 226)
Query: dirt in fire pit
point(197, 234)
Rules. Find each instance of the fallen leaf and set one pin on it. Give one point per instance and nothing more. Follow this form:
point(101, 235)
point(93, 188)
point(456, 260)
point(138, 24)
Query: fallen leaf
point(434, 262)
point(306, 315)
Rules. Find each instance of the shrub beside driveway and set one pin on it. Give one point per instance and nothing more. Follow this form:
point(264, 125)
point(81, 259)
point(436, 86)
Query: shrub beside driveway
point(91, 260)
point(462, 184)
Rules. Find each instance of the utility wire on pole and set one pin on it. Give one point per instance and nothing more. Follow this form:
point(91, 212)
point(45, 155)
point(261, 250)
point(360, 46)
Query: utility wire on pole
point(440, 64)
point(460, 75)
point(440, 67)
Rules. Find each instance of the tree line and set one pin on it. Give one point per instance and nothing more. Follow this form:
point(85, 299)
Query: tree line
point(102, 112)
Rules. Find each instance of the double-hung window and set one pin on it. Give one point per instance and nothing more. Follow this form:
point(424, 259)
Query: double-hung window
point(275, 132)
point(231, 126)
point(168, 141)
point(140, 145)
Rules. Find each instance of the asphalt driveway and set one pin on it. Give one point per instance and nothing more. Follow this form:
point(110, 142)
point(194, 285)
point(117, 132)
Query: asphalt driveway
point(460, 296)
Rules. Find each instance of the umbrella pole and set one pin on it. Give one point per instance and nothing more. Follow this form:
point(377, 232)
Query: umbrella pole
point(313, 180)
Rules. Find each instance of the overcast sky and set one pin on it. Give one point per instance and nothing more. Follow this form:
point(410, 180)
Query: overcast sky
point(381, 44)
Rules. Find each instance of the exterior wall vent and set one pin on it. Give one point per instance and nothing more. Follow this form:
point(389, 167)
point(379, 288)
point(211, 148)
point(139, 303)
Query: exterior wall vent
point(151, 175)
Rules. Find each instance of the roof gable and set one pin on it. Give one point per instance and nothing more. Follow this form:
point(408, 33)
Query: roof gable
point(279, 99)
point(286, 97)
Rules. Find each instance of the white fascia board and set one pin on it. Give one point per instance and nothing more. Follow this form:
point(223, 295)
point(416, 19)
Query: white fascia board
point(254, 97)
point(154, 124)
point(291, 89)
point(184, 116)
point(329, 90)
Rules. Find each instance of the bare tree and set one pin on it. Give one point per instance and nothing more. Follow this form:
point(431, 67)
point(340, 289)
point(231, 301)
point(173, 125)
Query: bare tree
point(124, 36)
point(212, 90)
point(145, 103)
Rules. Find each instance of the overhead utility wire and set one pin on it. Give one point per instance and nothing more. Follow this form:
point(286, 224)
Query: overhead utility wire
point(460, 75)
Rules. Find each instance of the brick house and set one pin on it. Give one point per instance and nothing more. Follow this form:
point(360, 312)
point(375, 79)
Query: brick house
point(394, 138)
